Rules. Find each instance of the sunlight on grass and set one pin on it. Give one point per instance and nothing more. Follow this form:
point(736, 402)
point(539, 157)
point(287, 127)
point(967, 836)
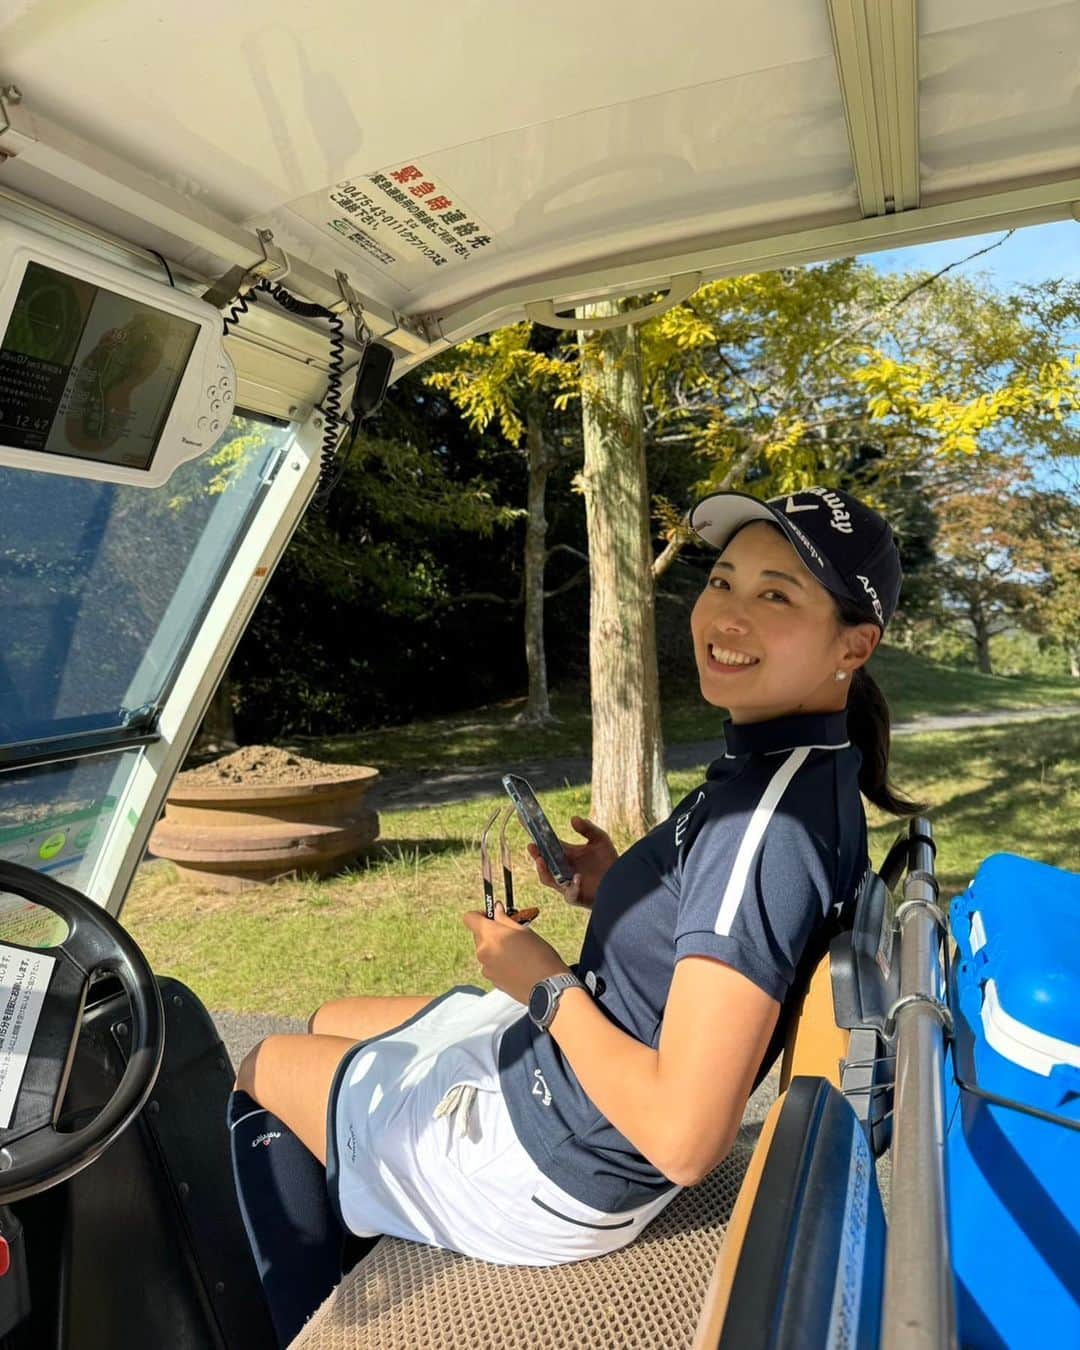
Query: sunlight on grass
point(392, 924)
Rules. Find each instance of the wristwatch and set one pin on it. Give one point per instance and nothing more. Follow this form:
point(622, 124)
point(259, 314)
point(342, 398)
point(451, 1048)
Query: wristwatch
point(544, 999)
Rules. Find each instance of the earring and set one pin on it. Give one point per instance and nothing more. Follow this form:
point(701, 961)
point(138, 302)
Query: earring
point(840, 675)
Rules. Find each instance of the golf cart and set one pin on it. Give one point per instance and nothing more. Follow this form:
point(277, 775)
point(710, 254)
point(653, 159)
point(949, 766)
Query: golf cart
point(223, 230)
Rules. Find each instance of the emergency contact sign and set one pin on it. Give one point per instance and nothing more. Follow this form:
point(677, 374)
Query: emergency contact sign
point(403, 219)
point(24, 980)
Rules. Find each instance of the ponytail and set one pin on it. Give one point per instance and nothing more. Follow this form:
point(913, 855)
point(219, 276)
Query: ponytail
point(869, 729)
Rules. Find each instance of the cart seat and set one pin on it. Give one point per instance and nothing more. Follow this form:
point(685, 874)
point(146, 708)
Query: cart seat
point(650, 1295)
point(408, 1296)
point(655, 1294)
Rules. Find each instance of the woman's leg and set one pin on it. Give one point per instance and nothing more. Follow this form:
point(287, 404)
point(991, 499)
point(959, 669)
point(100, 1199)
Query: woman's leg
point(291, 1076)
point(277, 1134)
point(366, 1016)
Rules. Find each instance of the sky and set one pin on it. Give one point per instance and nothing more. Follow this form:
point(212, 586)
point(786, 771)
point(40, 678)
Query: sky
point(1030, 255)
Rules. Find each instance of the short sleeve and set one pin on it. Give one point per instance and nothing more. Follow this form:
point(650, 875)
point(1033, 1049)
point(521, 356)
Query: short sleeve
point(753, 900)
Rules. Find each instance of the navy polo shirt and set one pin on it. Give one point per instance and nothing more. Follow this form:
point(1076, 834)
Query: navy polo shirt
point(758, 867)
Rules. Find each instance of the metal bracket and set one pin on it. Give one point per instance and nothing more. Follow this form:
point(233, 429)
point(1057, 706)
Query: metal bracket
point(275, 265)
point(941, 1010)
point(10, 97)
point(933, 909)
point(353, 304)
point(238, 281)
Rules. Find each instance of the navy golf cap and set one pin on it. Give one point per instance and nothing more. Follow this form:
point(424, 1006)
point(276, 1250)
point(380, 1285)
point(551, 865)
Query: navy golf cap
point(844, 545)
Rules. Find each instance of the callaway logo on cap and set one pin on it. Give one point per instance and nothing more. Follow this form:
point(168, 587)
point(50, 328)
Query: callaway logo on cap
point(844, 545)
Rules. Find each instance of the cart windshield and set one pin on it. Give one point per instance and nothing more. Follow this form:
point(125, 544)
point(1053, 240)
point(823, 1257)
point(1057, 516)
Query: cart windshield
point(102, 587)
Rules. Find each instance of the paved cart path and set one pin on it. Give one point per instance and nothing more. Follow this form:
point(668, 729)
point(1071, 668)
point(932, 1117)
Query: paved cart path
point(412, 790)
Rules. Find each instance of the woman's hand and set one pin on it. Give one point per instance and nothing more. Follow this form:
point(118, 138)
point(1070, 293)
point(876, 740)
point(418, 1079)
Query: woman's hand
point(510, 956)
point(589, 862)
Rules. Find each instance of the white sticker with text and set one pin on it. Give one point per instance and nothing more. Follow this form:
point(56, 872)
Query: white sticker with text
point(24, 979)
point(402, 219)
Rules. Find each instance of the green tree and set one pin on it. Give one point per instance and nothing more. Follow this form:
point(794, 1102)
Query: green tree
point(1055, 548)
point(777, 379)
point(358, 626)
point(984, 569)
point(507, 380)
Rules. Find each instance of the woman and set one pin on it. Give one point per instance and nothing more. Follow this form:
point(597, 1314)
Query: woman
point(552, 1118)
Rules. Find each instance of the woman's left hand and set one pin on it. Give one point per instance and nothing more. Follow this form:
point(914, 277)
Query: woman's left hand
point(510, 956)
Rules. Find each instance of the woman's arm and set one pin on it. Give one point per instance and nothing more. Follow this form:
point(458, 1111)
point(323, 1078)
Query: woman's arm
point(681, 1104)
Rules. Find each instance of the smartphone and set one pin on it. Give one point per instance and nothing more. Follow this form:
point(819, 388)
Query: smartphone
point(531, 815)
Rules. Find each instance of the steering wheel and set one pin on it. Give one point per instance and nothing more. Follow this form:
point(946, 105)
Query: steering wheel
point(34, 1154)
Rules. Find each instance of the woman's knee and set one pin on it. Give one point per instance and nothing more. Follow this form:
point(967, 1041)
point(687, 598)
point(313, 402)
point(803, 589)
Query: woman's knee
point(365, 1015)
point(316, 1023)
point(253, 1066)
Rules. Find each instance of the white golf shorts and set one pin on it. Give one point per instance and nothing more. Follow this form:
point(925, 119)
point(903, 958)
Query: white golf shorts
point(395, 1167)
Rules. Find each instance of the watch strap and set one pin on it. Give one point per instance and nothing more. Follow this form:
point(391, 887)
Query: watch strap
point(555, 985)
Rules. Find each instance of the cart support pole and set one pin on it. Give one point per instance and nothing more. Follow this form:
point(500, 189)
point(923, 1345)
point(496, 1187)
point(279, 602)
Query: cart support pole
point(919, 1304)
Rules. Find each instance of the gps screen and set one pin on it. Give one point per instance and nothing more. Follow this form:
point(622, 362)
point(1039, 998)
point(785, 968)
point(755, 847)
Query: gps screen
point(88, 373)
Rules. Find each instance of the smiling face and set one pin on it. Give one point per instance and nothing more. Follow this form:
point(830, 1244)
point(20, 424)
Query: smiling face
point(767, 640)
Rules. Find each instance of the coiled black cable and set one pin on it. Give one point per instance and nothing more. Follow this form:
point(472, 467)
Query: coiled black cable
point(233, 316)
point(331, 404)
point(335, 370)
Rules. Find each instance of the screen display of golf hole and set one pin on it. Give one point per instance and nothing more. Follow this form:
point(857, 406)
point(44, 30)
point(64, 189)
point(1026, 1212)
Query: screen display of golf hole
point(531, 815)
point(88, 373)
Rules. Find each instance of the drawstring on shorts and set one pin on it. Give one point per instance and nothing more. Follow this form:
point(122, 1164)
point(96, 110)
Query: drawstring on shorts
point(457, 1103)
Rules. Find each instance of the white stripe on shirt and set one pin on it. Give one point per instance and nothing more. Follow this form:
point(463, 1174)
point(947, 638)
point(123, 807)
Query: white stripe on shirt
point(759, 823)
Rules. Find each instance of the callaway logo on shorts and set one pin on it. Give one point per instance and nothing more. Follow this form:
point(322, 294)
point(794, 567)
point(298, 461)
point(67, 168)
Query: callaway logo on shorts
point(540, 1087)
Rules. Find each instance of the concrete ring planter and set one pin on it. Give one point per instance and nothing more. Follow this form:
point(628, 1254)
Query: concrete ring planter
point(237, 835)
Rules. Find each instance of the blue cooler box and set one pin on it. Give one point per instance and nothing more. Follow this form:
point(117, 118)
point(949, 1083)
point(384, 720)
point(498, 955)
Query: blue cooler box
point(1013, 1155)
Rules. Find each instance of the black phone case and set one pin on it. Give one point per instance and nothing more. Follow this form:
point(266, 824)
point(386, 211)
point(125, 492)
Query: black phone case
point(523, 797)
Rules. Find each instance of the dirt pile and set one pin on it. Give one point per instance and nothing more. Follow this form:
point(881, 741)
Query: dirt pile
point(256, 765)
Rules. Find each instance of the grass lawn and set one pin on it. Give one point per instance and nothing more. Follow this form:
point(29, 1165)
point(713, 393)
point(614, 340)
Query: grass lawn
point(914, 687)
point(393, 924)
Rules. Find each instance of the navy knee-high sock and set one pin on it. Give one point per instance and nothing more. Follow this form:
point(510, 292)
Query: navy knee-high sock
point(295, 1236)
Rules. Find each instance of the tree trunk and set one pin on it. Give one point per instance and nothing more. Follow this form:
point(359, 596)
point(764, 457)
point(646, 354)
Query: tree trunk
point(629, 790)
point(1074, 662)
point(982, 644)
point(537, 707)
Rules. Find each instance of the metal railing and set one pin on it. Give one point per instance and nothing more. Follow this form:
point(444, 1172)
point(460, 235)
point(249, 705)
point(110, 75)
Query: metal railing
point(919, 1311)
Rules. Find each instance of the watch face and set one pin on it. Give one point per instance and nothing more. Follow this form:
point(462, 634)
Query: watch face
point(539, 1003)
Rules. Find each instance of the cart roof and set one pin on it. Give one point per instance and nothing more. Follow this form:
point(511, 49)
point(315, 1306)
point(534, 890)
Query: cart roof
point(459, 161)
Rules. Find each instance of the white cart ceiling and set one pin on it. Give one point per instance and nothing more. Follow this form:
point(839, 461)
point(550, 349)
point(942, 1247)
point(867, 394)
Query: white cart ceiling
point(486, 155)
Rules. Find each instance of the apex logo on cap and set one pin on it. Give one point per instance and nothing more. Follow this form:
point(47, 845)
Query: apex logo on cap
point(873, 597)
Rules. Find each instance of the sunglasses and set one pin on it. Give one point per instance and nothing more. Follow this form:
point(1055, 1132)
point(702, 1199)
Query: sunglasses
point(518, 915)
